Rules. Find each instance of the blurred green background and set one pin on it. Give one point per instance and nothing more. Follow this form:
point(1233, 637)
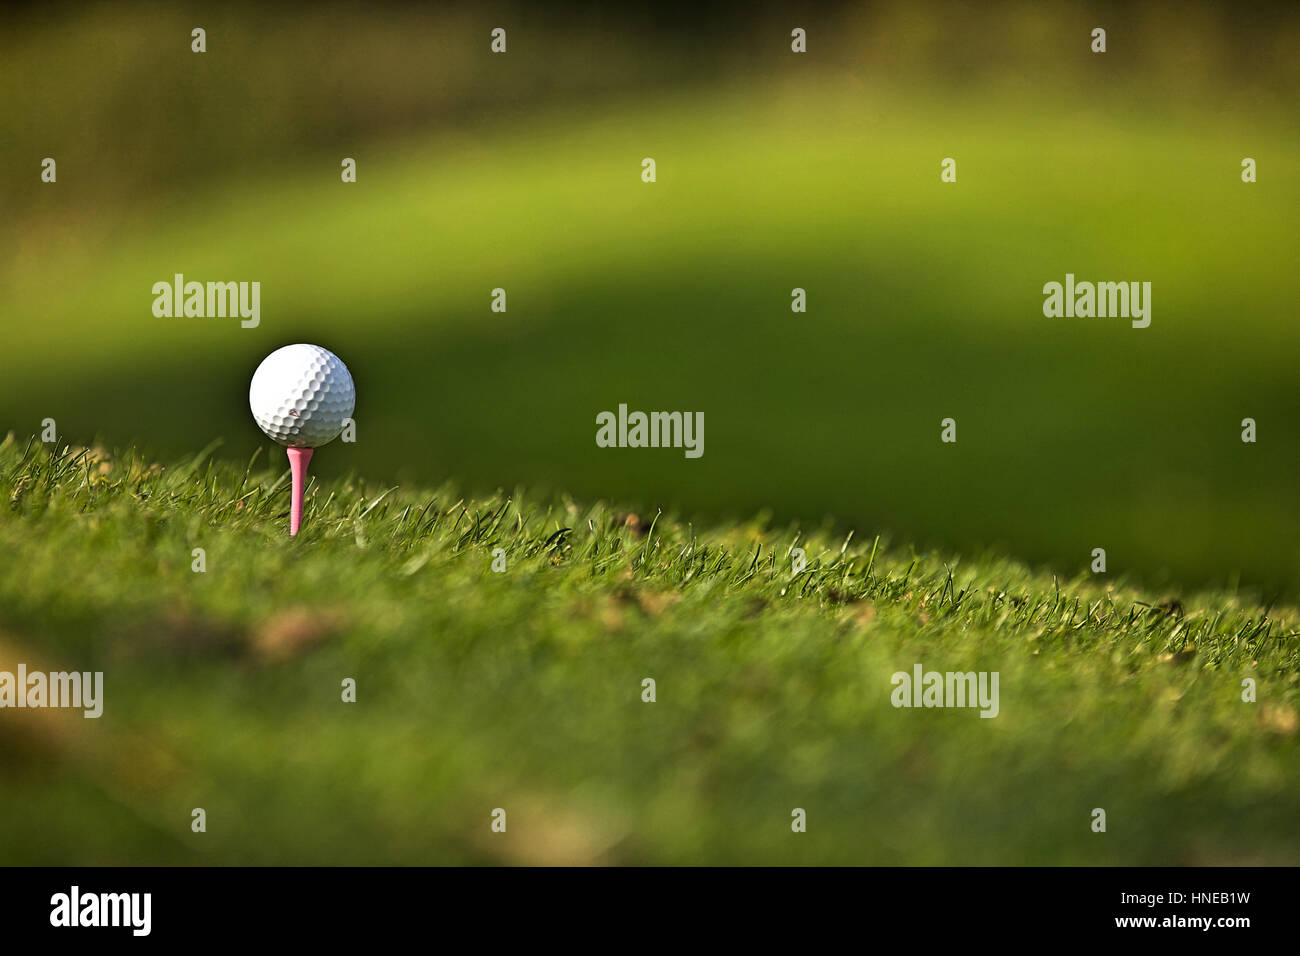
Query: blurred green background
point(775, 170)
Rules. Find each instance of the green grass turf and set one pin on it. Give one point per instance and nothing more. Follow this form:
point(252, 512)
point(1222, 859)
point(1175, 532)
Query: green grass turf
point(522, 690)
point(924, 302)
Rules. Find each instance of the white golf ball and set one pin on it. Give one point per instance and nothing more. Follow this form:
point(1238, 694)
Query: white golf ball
point(301, 394)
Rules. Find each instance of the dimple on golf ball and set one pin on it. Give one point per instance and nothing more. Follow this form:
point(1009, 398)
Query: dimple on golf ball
point(301, 394)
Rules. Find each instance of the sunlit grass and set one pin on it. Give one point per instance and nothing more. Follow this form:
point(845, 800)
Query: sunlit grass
point(522, 689)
